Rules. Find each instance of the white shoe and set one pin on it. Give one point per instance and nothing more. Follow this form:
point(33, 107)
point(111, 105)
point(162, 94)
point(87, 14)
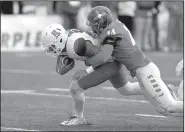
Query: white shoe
point(174, 91)
point(75, 121)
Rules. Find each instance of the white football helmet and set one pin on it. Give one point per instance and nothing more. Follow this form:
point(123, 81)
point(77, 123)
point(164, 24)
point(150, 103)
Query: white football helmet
point(54, 38)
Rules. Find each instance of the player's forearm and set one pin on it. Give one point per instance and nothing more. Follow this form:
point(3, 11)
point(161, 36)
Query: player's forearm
point(91, 49)
point(103, 56)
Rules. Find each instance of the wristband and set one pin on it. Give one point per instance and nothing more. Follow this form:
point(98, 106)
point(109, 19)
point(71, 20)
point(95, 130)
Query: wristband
point(89, 69)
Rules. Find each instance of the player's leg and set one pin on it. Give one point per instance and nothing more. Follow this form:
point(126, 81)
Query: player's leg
point(121, 83)
point(100, 75)
point(157, 92)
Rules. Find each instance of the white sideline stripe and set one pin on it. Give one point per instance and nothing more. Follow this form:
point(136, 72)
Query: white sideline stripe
point(26, 71)
point(16, 129)
point(58, 89)
point(24, 55)
point(69, 96)
point(16, 91)
point(67, 90)
point(151, 115)
point(32, 92)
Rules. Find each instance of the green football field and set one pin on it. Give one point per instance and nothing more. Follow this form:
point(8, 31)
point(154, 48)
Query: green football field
point(35, 98)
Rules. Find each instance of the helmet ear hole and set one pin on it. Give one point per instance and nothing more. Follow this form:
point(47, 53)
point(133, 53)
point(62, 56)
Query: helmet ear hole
point(61, 40)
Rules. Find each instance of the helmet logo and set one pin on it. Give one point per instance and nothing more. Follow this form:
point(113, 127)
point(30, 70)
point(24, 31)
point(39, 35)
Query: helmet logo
point(99, 15)
point(55, 33)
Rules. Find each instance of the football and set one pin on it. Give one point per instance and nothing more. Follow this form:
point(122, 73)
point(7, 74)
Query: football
point(66, 60)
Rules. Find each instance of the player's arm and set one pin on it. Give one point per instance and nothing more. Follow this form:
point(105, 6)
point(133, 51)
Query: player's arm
point(105, 53)
point(64, 64)
point(85, 48)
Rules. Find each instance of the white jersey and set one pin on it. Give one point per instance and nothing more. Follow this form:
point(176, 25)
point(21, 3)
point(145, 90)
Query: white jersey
point(71, 42)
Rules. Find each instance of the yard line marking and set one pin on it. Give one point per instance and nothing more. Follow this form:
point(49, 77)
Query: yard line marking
point(16, 129)
point(16, 91)
point(67, 90)
point(69, 96)
point(58, 89)
point(27, 71)
point(23, 55)
point(150, 115)
point(108, 88)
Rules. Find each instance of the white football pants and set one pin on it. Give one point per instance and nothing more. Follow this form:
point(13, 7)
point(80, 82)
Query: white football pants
point(156, 92)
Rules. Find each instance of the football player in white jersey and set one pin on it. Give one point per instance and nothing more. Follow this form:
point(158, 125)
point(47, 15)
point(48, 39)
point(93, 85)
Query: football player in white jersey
point(73, 44)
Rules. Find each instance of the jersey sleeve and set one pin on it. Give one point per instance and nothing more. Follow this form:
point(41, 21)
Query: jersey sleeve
point(91, 49)
point(110, 36)
point(111, 40)
point(103, 56)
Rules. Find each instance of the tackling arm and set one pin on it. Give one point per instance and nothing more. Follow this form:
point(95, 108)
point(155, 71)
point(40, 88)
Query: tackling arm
point(85, 48)
point(104, 54)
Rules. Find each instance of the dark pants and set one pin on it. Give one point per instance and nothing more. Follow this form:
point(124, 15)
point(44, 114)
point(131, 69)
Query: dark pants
point(128, 21)
point(7, 7)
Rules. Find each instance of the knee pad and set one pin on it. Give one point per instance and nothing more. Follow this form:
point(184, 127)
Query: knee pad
point(74, 87)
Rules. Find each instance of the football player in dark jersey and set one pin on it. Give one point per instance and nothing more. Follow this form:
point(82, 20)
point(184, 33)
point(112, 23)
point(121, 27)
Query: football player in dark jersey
point(114, 35)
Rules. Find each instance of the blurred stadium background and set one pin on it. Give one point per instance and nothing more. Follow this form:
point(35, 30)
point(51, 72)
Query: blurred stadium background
point(34, 97)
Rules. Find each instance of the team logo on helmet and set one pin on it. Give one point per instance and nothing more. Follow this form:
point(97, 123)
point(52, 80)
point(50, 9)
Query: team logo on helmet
point(98, 18)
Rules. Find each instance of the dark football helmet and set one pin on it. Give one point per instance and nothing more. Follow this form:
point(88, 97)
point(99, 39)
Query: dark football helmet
point(98, 18)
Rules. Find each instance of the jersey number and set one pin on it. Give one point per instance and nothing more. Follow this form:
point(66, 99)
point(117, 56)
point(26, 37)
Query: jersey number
point(113, 32)
point(55, 33)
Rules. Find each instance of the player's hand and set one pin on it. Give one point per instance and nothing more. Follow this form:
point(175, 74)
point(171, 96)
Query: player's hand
point(80, 74)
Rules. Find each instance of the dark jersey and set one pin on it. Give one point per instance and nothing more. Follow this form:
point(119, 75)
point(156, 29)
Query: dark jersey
point(125, 50)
